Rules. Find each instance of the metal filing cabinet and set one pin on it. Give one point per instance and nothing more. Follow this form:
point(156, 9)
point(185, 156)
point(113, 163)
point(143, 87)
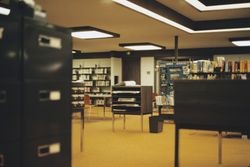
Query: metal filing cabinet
point(35, 78)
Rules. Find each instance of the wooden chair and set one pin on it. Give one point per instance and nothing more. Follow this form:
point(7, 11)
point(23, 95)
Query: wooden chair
point(87, 105)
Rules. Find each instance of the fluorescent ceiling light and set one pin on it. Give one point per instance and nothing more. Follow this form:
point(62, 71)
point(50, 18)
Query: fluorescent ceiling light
point(156, 16)
point(240, 41)
point(90, 35)
point(201, 7)
point(141, 46)
point(4, 11)
point(88, 32)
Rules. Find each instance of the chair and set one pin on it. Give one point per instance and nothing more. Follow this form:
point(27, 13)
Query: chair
point(87, 104)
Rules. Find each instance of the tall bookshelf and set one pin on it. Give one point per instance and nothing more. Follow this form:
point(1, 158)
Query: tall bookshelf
point(96, 81)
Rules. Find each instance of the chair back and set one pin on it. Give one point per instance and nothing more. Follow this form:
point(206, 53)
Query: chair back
point(87, 100)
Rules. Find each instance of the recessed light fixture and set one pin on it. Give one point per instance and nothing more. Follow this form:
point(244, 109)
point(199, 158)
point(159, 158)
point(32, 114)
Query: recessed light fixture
point(141, 46)
point(245, 41)
point(4, 11)
point(88, 32)
point(201, 7)
point(165, 20)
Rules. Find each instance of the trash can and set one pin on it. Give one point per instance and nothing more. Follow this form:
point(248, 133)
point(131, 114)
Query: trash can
point(155, 124)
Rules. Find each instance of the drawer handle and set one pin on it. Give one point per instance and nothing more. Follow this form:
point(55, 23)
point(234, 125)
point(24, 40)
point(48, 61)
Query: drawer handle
point(45, 95)
point(43, 151)
point(47, 150)
point(1, 32)
point(1, 160)
point(51, 42)
point(3, 96)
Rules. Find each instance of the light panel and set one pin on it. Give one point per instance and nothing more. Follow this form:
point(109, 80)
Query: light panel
point(201, 7)
point(4, 11)
point(241, 43)
point(90, 34)
point(141, 46)
point(165, 20)
point(245, 41)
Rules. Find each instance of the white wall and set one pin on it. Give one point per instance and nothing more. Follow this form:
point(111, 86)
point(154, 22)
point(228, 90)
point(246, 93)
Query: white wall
point(147, 71)
point(234, 57)
point(116, 69)
point(105, 62)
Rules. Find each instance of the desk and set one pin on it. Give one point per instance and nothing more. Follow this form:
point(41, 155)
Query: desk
point(104, 97)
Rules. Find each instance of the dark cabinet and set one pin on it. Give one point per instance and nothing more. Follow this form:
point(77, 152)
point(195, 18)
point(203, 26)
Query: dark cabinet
point(131, 100)
point(35, 93)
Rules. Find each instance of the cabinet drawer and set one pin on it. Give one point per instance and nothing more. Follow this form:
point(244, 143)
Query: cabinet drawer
point(48, 152)
point(47, 109)
point(10, 112)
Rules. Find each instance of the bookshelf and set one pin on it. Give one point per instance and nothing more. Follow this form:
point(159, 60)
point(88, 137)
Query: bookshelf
point(131, 100)
point(77, 97)
point(96, 81)
point(162, 77)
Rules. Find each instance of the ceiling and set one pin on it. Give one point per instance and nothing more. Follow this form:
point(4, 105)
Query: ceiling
point(134, 27)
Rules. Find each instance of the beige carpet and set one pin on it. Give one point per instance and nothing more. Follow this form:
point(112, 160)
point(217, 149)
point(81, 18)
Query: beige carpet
point(131, 147)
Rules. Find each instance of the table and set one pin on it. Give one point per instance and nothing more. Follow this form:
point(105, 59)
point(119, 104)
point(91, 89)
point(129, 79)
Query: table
point(104, 97)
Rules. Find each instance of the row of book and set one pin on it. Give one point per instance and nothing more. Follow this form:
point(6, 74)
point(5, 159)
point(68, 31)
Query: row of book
point(207, 66)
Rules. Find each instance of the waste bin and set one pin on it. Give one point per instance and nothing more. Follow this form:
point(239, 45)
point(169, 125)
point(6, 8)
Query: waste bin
point(155, 124)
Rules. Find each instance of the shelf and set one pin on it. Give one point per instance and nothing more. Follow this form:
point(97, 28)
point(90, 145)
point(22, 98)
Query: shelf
point(126, 102)
point(223, 73)
point(97, 80)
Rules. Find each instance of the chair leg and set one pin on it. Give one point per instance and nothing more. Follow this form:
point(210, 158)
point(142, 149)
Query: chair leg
point(142, 123)
point(113, 122)
point(124, 122)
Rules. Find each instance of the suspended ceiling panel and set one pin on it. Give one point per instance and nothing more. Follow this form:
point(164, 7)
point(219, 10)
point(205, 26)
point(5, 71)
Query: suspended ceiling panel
point(134, 27)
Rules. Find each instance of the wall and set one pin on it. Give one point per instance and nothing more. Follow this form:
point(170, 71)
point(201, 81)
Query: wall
point(102, 62)
point(147, 71)
point(131, 69)
point(116, 69)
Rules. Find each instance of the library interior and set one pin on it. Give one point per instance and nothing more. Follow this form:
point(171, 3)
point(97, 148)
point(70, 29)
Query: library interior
point(117, 83)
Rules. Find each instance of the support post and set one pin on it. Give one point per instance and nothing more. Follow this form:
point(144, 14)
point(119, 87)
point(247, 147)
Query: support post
point(220, 148)
point(176, 157)
point(176, 43)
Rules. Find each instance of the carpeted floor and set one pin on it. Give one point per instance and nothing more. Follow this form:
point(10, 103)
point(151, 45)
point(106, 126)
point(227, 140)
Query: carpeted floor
point(133, 148)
